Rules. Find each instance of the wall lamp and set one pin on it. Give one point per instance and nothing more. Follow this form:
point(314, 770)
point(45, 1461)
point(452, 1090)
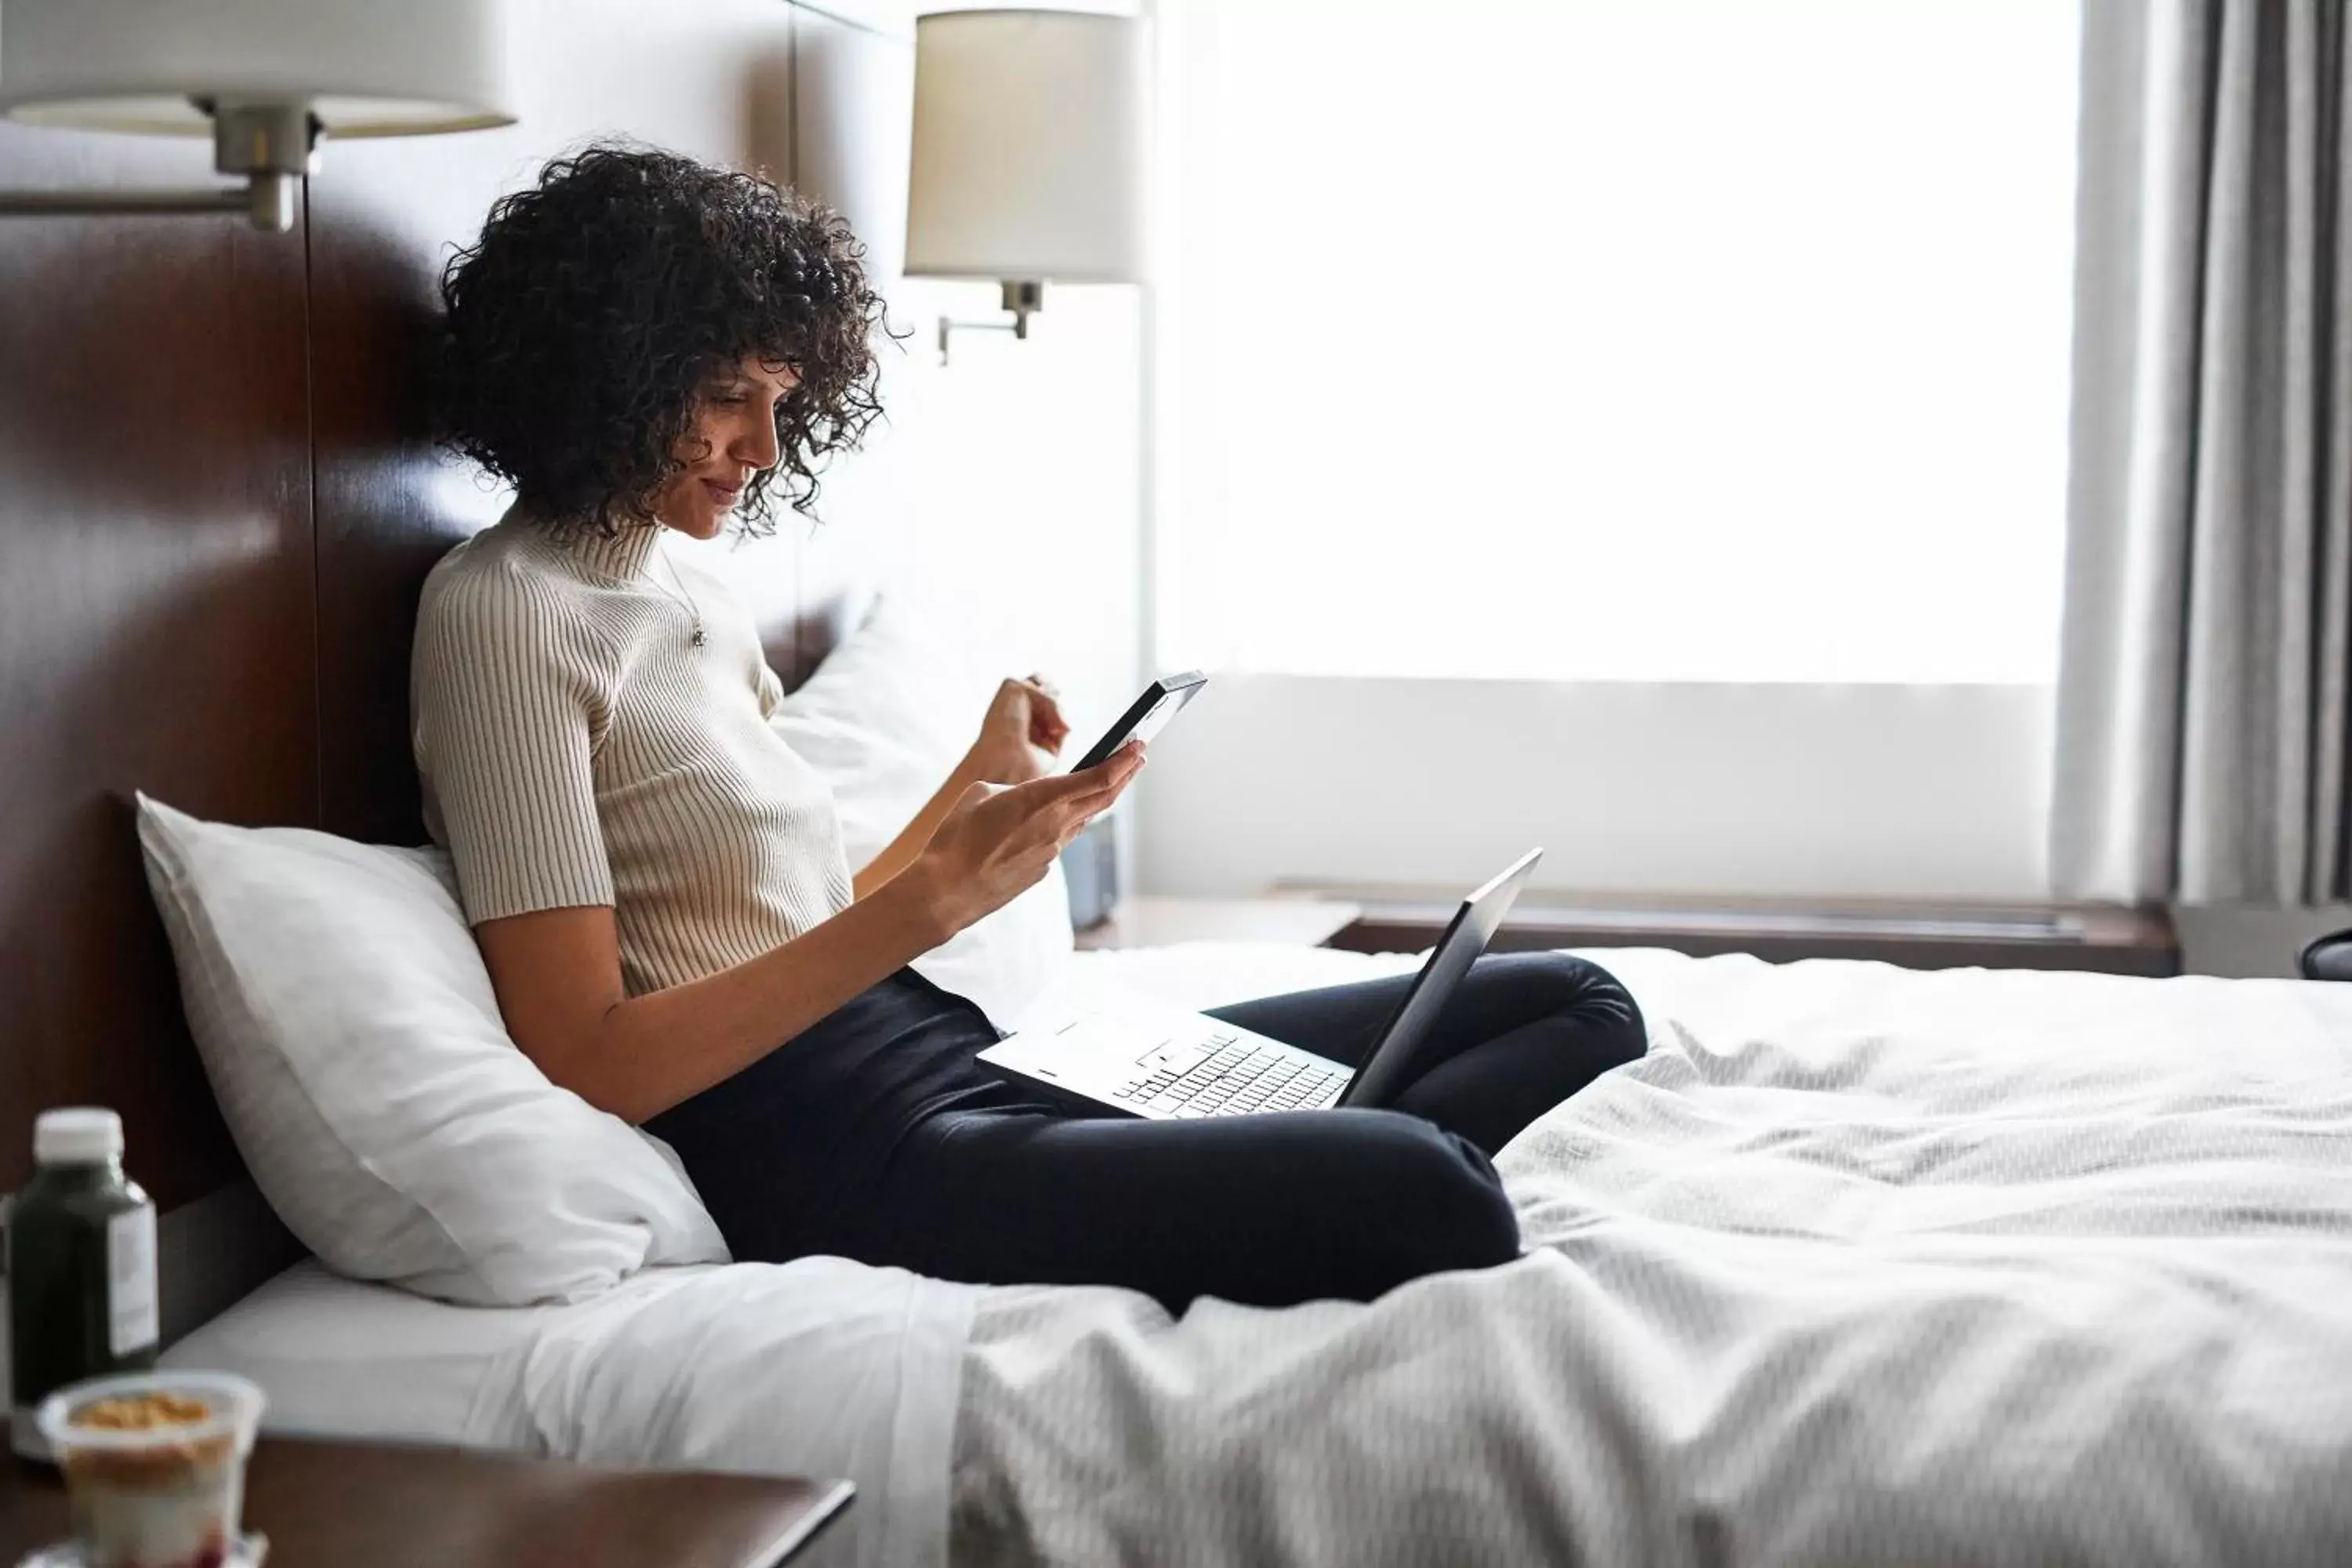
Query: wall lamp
point(264, 79)
point(1029, 153)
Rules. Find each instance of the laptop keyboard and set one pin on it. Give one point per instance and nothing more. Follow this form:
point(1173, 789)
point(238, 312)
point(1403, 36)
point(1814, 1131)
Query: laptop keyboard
point(1234, 1078)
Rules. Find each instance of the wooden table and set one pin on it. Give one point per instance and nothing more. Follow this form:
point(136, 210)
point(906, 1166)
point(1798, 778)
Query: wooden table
point(356, 1505)
point(1155, 922)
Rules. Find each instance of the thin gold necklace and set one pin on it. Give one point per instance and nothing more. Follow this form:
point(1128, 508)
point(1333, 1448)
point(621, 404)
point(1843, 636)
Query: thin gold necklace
point(685, 596)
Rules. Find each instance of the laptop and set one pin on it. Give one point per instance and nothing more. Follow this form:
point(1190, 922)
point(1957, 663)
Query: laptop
point(1163, 1064)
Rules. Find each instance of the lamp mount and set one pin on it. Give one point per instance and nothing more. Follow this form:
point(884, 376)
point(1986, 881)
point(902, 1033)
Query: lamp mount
point(269, 145)
point(1024, 297)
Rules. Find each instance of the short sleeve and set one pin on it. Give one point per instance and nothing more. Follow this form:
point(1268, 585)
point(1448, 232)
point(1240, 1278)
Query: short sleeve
point(504, 701)
point(772, 691)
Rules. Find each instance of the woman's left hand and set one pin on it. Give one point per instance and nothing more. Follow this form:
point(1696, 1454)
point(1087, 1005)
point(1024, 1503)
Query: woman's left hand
point(1021, 736)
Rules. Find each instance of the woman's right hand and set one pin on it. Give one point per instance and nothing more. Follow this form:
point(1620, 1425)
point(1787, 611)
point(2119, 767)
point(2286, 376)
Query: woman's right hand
point(999, 841)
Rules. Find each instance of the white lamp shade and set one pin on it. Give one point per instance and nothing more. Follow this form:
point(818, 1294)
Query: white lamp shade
point(1030, 147)
point(365, 68)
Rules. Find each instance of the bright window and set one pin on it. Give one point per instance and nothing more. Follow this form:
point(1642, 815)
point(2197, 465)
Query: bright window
point(1645, 340)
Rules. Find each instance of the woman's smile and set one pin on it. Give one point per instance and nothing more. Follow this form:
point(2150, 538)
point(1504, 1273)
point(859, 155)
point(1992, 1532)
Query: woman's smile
point(730, 441)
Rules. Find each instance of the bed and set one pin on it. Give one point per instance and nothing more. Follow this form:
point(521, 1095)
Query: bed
point(1861, 1265)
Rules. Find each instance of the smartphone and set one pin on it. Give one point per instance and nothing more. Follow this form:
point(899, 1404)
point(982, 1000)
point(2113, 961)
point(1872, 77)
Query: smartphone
point(1162, 701)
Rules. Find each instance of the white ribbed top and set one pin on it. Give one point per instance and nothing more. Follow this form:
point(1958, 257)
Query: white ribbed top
point(577, 748)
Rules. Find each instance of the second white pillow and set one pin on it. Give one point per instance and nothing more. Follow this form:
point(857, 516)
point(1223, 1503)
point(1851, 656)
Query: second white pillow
point(885, 716)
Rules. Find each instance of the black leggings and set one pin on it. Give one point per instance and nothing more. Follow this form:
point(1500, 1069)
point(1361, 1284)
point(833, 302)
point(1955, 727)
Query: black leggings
point(875, 1136)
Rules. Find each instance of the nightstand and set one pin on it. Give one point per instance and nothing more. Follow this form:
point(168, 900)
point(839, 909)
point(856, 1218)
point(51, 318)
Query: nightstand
point(1156, 921)
point(356, 1505)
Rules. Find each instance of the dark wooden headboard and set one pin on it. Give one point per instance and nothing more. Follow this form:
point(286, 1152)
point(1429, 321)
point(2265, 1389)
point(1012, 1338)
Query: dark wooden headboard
point(216, 507)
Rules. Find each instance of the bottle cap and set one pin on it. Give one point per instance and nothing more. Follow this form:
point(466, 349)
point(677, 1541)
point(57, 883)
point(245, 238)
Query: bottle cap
point(77, 1135)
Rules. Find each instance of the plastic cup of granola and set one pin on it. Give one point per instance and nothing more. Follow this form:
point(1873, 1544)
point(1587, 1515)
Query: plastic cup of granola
point(154, 1465)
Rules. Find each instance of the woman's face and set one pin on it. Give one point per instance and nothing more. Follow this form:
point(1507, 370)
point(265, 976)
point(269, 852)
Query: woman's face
point(732, 437)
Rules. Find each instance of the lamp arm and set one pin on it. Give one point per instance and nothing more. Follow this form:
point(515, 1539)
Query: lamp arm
point(949, 324)
point(1024, 296)
point(269, 146)
point(267, 199)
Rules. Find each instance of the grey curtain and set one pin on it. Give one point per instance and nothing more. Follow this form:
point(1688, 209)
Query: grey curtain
point(2201, 725)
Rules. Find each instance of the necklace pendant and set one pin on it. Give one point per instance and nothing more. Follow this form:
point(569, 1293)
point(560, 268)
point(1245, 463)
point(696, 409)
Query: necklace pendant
point(700, 636)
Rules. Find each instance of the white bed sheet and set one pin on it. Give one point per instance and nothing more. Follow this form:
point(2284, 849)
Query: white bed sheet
point(821, 1367)
point(339, 1358)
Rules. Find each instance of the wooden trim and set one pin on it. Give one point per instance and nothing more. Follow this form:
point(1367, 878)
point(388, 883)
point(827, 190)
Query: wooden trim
point(2098, 938)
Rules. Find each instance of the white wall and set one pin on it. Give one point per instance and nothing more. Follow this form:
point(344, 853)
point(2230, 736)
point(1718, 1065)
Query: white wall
point(1002, 488)
point(1881, 791)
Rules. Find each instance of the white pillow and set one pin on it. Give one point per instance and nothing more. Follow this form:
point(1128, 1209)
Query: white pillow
point(355, 1043)
point(885, 716)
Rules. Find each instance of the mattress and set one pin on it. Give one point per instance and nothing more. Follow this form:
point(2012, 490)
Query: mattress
point(340, 1358)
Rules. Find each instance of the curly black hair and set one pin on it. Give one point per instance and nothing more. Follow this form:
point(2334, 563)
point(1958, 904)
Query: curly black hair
point(582, 328)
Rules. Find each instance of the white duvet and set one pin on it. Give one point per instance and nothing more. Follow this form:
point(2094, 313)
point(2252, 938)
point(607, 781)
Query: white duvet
point(1860, 1266)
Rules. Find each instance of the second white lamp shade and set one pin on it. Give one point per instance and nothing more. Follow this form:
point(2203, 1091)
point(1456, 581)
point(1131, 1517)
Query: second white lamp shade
point(1030, 147)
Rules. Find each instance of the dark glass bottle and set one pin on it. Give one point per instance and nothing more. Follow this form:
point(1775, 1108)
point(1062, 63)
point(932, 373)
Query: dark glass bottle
point(82, 1268)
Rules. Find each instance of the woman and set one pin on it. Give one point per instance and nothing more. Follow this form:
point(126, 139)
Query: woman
point(639, 344)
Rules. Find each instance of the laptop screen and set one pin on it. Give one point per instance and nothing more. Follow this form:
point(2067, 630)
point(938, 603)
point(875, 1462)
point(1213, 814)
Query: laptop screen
point(1388, 1066)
